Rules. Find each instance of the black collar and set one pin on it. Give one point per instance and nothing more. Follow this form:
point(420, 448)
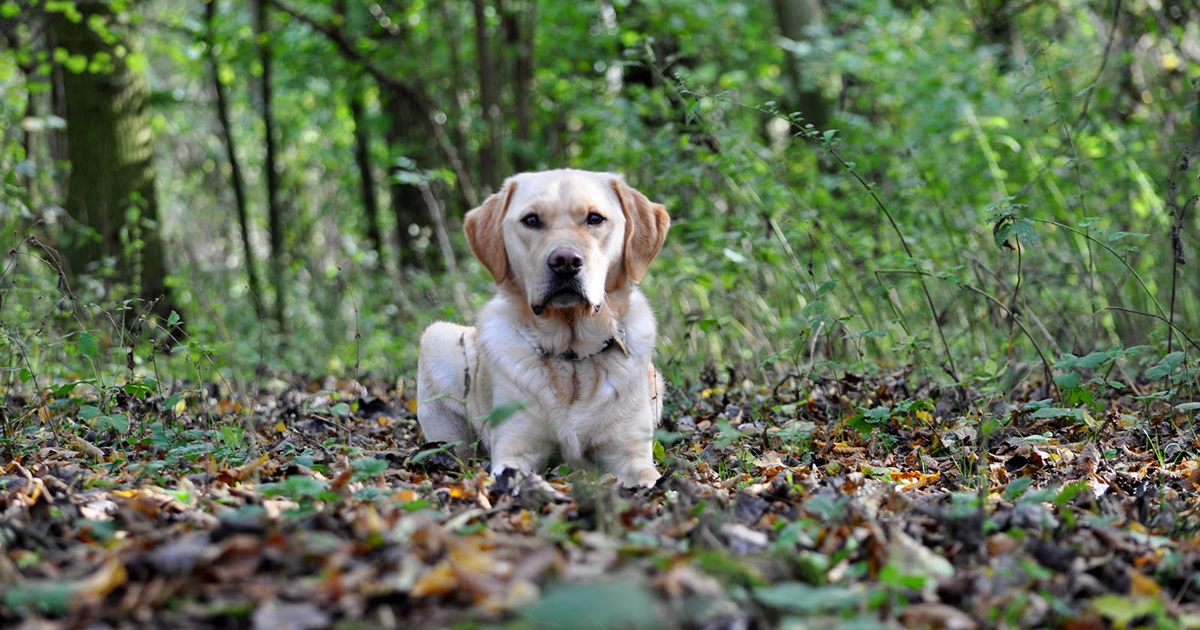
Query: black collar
point(616, 341)
point(570, 355)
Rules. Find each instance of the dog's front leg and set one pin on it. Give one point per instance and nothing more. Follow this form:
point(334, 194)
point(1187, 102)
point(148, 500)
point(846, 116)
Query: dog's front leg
point(631, 460)
point(519, 443)
point(520, 447)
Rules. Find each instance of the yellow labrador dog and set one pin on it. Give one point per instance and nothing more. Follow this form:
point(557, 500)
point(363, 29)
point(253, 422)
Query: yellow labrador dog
point(567, 339)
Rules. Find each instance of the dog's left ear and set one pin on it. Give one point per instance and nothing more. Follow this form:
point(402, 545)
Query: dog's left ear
point(485, 235)
point(646, 225)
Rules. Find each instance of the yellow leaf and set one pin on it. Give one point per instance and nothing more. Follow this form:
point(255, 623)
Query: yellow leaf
point(913, 479)
point(1142, 585)
point(180, 406)
point(103, 581)
point(412, 405)
point(439, 581)
point(125, 494)
point(280, 427)
point(458, 492)
point(925, 416)
point(43, 414)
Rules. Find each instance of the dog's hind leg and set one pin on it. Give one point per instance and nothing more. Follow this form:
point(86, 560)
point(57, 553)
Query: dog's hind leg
point(443, 383)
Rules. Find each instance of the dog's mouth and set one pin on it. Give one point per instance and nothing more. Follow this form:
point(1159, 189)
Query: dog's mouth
point(560, 297)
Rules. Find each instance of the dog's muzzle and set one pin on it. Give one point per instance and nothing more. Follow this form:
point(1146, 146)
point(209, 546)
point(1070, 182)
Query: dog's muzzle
point(565, 286)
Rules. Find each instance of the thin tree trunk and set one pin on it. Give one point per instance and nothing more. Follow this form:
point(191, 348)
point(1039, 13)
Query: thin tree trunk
point(457, 94)
point(405, 140)
point(362, 158)
point(362, 147)
point(110, 146)
point(439, 227)
point(489, 100)
point(31, 181)
point(795, 19)
point(519, 40)
point(274, 220)
point(235, 167)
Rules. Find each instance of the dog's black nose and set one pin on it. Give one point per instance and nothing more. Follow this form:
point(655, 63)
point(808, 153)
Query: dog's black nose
point(565, 262)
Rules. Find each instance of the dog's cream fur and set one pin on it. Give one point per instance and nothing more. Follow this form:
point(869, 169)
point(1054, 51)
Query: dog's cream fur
point(578, 361)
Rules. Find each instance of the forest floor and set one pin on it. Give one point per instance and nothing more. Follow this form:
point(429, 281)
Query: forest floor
point(868, 502)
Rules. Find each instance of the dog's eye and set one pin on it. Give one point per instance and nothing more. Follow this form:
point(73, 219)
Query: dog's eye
point(595, 219)
point(532, 221)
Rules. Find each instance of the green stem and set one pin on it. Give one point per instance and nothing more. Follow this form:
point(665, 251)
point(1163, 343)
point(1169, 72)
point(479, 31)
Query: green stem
point(1112, 251)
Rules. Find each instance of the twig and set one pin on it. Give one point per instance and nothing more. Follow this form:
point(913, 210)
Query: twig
point(907, 250)
point(1045, 362)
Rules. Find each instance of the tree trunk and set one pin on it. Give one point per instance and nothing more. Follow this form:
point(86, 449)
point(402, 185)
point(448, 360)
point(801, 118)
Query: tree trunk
point(796, 17)
point(235, 167)
point(110, 145)
point(274, 220)
point(519, 41)
point(362, 147)
point(457, 94)
point(406, 142)
point(489, 100)
point(998, 29)
point(362, 158)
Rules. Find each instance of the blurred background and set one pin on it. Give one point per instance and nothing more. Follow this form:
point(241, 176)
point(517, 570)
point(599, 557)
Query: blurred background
point(279, 185)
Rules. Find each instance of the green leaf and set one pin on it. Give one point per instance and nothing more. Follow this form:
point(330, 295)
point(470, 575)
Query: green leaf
point(117, 422)
point(340, 409)
point(24, 375)
point(1190, 406)
point(172, 400)
point(1058, 412)
point(87, 344)
point(173, 320)
point(1092, 361)
point(1166, 366)
point(595, 606)
point(89, 412)
point(801, 598)
point(1116, 236)
point(9, 10)
point(1017, 487)
point(1068, 380)
point(1025, 232)
point(1123, 609)
point(878, 414)
point(295, 486)
point(52, 598)
point(503, 412)
point(369, 466)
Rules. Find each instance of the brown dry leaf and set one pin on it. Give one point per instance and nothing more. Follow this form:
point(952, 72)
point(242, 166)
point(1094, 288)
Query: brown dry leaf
point(237, 558)
point(935, 617)
point(87, 447)
point(276, 615)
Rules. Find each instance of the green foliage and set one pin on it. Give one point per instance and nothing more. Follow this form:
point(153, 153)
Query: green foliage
point(794, 250)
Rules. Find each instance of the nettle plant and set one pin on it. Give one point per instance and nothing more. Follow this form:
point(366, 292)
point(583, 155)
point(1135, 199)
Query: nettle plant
point(1084, 379)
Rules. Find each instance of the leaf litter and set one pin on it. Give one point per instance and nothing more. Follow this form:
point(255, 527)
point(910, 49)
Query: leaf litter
point(849, 502)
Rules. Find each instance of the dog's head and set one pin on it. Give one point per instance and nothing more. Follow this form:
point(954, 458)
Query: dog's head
point(565, 238)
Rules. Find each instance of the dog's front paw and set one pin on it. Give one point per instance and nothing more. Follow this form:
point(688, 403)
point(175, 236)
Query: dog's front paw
point(640, 479)
point(528, 490)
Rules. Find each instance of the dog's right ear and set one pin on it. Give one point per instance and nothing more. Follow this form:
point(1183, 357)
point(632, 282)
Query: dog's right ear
point(485, 235)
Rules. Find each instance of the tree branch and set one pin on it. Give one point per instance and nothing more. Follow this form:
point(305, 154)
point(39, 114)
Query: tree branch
point(405, 90)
